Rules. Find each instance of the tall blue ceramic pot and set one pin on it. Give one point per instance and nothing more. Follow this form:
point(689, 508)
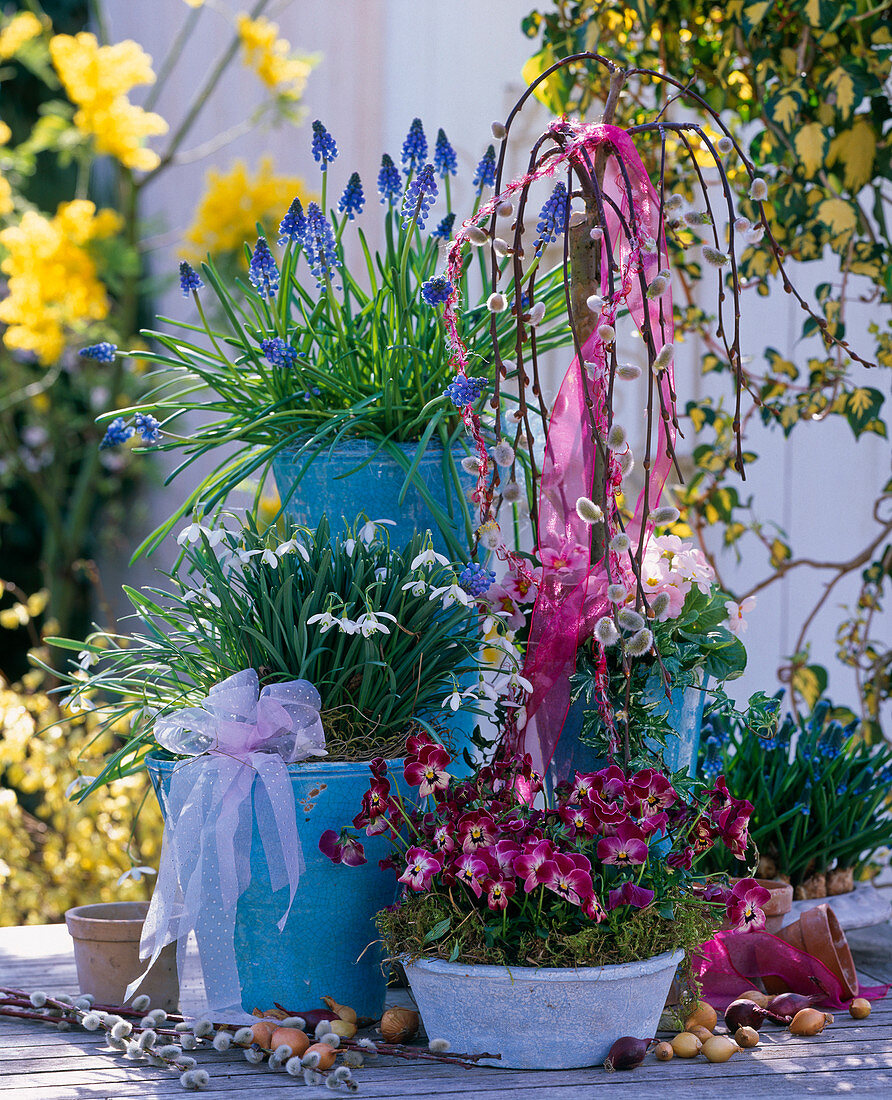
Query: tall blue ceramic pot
point(323, 950)
point(684, 713)
point(357, 475)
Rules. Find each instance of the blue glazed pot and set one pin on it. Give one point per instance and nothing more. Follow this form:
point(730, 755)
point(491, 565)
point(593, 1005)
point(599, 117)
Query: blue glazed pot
point(541, 1018)
point(332, 920)
point(685, 716)
point(332, 484)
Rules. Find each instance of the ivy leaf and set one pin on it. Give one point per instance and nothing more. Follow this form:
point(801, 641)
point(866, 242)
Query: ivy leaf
point(753, 14)
point(783, 108)
point(810, 682)
point(839, 218)
point(855, 149)
point(780, 552)
point(810, 144)
point(842, 83)
point(554, 92)
point(862, 406)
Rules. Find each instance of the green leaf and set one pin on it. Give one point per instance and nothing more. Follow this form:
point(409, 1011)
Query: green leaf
point(438, 931)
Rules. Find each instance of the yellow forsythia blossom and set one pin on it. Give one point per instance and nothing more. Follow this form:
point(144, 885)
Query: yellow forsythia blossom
point(19, 30)
point(53, 283)
point(55, 854)
point(6, 203)
point(97, 79)
point(232, 204)
point(271, 57)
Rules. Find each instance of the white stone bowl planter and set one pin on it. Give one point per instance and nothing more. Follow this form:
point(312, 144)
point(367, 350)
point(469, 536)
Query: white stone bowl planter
point(540, 1018)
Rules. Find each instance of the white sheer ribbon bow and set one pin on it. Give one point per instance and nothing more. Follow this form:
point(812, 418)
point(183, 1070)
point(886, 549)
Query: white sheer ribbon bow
point(242, 740)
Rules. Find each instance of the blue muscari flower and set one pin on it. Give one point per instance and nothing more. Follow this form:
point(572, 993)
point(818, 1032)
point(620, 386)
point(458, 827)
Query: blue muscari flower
point(324, 148)
point(353, 200)
point(831, 740)
point(444, 156)
point(552, 216)
point(102, 353)
point(436, 290)
point(476, 579)
point(712, 763)
point(262, 271)
point(390, 183)
point(147, 426)
point(116, 433)
point(486, 170)
point(293, 226)
point(278, 352)
point(444, 230)
point(189, 279)
point(841, 789)
point(419, 198)
point(320, 246)
point(463, 390)
point(414, 147)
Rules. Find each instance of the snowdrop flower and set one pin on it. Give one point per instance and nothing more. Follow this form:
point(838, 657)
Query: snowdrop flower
point(87, 658)
point(369, 530)
point(326, 621)
point(516, 680)
point(269, 557)
point(427, 558)
point(194, 531)
point(370, 623)
point(136, 874)
point(292, 546)
point(78, 784)
point(417, 588)
point(451, 593)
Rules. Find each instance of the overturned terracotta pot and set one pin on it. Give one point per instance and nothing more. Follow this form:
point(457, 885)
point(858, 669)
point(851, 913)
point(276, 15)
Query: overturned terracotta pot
point(106, 953)
point(818, 932)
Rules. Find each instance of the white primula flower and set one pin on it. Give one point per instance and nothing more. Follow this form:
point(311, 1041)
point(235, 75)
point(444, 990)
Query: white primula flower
point(427, 558)
point(370, 623)
point(136, 874)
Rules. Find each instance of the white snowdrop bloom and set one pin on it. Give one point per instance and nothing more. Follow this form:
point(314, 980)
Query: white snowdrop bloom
point(326, 621)
point(369, 530)
point(417, 588)
point(428, 558)
point(349, 547)
point(87, 658)
point(136, 873)
point(370, 623)
point(450, 594)
point(269, 557)
point(78, 784)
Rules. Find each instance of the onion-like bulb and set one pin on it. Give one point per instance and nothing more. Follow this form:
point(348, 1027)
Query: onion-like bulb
point(626, 1053)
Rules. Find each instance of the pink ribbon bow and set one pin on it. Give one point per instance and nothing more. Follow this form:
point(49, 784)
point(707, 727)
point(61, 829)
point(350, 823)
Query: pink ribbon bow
point(242, 740)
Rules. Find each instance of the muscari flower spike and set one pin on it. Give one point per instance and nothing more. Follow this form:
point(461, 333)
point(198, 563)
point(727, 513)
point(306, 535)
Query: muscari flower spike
point(102, 353)
point(444, 156)
point(190, 280)
point(476, 579)
point(390, 184)
point(485, 175)
point(293, 226)
point(148, 428)
point(552, 216)
point(325, 149)
point(262, 271)
point(116, 433)
point(414, 147)
point(443, 232)
point(437, 290)
point(353, 200)
point(320, 246)
point(463, 391)
point(419, 198)
point(278, 352)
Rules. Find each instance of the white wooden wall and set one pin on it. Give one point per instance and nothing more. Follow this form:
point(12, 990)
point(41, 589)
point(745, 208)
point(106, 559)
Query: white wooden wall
point(456, 64)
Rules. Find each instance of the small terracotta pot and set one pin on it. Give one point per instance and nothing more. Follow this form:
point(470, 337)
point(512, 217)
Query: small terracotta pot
point(778, 905)
point(818, 932)
point(106, 953)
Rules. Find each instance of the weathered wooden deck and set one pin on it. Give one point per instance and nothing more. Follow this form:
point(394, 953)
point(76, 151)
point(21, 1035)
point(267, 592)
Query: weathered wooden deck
point(39, 1063)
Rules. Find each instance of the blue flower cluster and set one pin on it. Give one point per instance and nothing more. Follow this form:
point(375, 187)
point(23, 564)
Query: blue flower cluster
point(190, 280)
point(320, 246)
point(443, 232)
point(325, 149)
point(476, 579)
point(420, 196)
point(352, 201)
point(552, 216)
point(293, 226)
point(147, 427)
point(437, 290)
point(712, 762)
point(102, 353)
point(390, 182)
point(445, 160)
point(414, 147)
point(463, 391)
point(278, 352)
point(262, 271)
point(116, 433)
point(485, 175)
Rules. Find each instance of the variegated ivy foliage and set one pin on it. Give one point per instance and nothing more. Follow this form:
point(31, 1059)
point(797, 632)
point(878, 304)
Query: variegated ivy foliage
point(805, 83)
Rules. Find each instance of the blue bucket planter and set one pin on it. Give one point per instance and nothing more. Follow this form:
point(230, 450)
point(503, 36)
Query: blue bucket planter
point(333, 485)
point(332, 920)
point(684, 713)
